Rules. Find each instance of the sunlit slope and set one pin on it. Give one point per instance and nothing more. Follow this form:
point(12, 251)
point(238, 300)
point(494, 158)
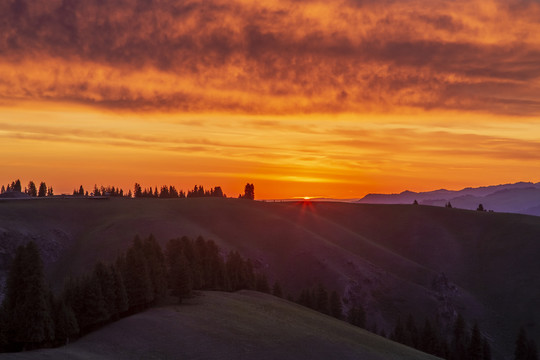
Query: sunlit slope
point(221, 326)
point(386, 256)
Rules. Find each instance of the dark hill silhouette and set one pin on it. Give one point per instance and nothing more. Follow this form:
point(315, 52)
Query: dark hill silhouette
point(391, 258)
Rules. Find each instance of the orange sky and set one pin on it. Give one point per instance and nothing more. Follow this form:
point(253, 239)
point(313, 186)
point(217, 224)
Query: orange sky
point(302, 98)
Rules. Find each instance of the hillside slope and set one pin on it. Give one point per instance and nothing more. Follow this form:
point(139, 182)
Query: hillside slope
point(394, 259)
point(222, 326)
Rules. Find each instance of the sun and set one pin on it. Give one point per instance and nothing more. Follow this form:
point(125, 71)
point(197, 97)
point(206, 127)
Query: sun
point(307, 197)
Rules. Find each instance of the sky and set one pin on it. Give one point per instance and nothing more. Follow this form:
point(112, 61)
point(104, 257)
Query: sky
point(300, 97)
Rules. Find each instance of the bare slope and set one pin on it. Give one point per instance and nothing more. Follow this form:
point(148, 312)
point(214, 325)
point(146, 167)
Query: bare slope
point(388, 257)
point(221, 326)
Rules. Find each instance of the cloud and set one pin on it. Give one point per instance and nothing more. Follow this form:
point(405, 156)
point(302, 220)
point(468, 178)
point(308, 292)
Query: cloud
point(282, 57)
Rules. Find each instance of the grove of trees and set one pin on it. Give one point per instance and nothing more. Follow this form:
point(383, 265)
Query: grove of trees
point(32, 316)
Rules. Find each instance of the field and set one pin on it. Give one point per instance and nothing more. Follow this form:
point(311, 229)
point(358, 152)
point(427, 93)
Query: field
point(391, 258)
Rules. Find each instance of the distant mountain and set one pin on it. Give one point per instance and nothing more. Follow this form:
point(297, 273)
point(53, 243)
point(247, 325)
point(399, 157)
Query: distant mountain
point(521, 197)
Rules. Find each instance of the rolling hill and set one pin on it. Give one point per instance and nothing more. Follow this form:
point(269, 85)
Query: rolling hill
point(394, 259)
point(222, 326)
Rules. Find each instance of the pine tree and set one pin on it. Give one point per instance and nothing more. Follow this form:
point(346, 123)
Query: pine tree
point(42, 190)
point(262, 284)
point(121, 298)
point(475, 350)
point(26, 306)
point(522, 345)
point(336, 309)
point(357, 316)
point(136, 278)
point(532, 350)
point(65, 322)
point(157, 270)
point(322, 300)
point(486, 350)
point(32, 190)
point(276, 290)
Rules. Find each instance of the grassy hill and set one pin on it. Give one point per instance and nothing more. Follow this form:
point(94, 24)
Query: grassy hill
point(221, 326)
point(388, 257)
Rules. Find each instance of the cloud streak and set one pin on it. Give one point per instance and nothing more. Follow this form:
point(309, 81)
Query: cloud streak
point(282, 57)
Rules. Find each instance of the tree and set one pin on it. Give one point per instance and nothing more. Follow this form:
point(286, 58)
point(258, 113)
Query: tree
point(179, 274)
point(415, 202)
point(480, 208)
point(522, 346)
point(16, 186)
point(476, 344)
point(448, 205)
point(357, 316)
point(65, 322)
point(249, 192)
point(32, 190)
point(276, 290)
point(136, 277)
point(26, 306)
point(336, 309)
point(137, 190)
point(50, 192)
point(42, 189)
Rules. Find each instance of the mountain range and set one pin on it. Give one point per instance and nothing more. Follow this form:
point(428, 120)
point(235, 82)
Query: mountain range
point(520, 197)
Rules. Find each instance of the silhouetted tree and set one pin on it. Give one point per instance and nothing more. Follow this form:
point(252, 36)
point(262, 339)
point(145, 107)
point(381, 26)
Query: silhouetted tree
point(65, 322)
point(26, 307)
point(448, 205)
point(249, 192)
point(486, 350)
point(336, 309)
point(415, 202)
point(137, 191)
point(32, 190)
point(50, 191)
point(357, 316)
point(42, 190)
point(480, 208)
point(262, 283)
point(136, 277)
point(522, 346)
point(476, 345)
point(16, 186)
point(276, 290)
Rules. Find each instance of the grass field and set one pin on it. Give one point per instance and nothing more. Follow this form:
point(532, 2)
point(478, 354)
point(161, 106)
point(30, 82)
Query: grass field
point(222, 326)
point(385, 256)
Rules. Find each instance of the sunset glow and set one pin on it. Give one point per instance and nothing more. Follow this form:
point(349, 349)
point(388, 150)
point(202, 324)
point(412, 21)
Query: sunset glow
point(336, 99)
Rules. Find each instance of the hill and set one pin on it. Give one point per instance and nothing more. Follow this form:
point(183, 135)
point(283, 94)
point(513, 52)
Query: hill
point(521, 197)
point(393, 259)
point(221, 326)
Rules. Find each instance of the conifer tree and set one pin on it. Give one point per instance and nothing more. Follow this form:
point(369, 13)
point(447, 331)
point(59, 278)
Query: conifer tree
point(42, 192)
point(32, 190)
point(136, 277)
point(336, 309)
point(121, 299)
point(26, 306)
point(157, 270)
point(357, 316)
point(475, 350)
point(276, 290)
point(65, 322)
point(522, 346)
point(322, 300)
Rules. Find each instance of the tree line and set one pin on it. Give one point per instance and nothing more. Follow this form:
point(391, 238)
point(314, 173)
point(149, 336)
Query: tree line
point(163, 192)
point(31, 189)
point(32, 316)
